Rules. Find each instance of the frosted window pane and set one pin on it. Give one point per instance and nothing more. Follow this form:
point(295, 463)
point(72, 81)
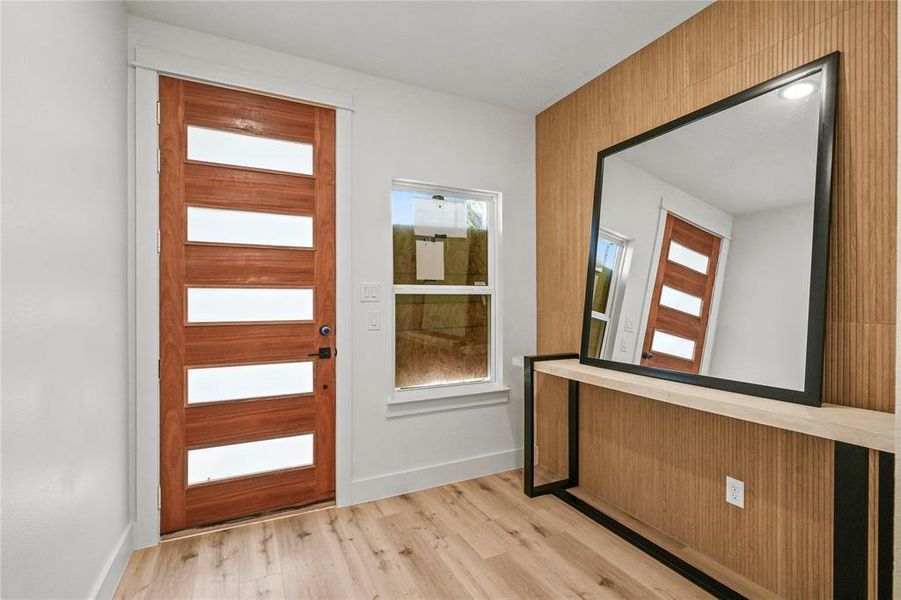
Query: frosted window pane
point(687, 257)
point(249, 381)
point(673, 345)
point(679, 300)
point(214, 305)
point(245, 227)
point(242, 150)
point(235, 460)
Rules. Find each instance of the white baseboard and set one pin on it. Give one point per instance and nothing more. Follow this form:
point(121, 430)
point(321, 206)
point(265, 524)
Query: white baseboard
point(402, 482)
point(108, 579)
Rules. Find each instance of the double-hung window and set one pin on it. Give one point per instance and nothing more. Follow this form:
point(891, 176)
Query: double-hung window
point(445, 288)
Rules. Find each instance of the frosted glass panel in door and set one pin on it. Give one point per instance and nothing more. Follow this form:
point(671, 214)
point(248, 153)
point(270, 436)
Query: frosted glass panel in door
point(242, 150)
point(687, 257)
point(214, 384)
point(679, 300)
point(673, 345)
point(223, 305)
point(249, 458)
point(220, 226)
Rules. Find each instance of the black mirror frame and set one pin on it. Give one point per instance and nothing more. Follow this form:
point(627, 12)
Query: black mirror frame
point(816, 320)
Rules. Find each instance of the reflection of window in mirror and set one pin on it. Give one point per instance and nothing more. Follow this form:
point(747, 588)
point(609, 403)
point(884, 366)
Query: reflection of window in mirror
point(610, 265)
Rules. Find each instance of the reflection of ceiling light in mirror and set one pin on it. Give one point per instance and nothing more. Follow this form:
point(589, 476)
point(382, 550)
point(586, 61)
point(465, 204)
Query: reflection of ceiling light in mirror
point(798, 90)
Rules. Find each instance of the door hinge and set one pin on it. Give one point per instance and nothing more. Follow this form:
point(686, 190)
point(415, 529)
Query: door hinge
point(157, 112)
point(159, 369)
point(159, 498)
point(159, 241)
point(159, 161)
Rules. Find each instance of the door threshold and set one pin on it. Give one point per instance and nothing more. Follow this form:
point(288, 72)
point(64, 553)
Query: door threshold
point(252, 520)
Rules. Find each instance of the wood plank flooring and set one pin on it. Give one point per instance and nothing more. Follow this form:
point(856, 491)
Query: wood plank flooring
point(481, 538)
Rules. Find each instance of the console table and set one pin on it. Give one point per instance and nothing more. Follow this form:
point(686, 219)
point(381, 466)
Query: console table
point(855, 431)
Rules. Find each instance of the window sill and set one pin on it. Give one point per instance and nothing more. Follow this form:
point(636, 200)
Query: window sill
point(436, 399)
point(446, 391)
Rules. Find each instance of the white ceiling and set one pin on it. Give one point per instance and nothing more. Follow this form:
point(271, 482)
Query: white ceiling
point(524, 55)
point(759, 155)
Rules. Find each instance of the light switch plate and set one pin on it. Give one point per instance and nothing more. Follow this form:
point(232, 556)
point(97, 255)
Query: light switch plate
point(735, 492)
point(374, 320)
point(369, 292)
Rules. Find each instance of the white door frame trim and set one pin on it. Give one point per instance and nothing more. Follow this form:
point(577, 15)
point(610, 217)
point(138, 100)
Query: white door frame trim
point(197, 69)
point(148, 65)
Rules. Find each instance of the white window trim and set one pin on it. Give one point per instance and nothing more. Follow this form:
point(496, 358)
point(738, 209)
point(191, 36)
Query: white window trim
point(616, 293)
point(493, 390)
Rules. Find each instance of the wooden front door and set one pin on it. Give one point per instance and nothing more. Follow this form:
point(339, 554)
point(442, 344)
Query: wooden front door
point(680, 303)
point(247, 304)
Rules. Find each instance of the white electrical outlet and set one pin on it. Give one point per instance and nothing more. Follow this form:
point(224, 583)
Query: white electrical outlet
point(735, 492)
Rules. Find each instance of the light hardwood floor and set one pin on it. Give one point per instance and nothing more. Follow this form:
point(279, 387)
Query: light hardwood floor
point(481, 538)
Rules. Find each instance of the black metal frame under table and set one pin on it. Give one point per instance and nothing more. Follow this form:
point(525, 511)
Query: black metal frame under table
point(851, 482)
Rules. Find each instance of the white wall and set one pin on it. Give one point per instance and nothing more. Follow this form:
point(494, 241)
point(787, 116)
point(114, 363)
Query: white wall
point(763, 311)
point(401, 131)
point(630, 207)
point(64, 350)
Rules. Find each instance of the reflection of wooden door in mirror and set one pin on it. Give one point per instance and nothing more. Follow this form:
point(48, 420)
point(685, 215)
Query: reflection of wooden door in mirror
point(680, 303)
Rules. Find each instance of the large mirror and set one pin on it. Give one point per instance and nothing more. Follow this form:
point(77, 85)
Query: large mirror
point(709, 243)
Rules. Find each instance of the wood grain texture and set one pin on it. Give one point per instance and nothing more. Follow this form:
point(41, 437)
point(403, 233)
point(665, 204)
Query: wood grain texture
point(228, 265)
point(236, 421)
point(834, 422)
point(724, 49)
point(245, 189)
point(324, 145)
point(183, 265)
point(217, 501)
point(474, 539)
point(552, 426)
point(687, 280)
point(249, 113)
point(727, 576)
point(786, 526)
point(173, 463)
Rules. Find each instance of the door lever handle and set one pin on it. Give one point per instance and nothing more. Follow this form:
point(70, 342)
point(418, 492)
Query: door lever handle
point(324, 352)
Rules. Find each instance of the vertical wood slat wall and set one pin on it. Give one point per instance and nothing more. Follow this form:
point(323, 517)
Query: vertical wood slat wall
point(665, 465)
